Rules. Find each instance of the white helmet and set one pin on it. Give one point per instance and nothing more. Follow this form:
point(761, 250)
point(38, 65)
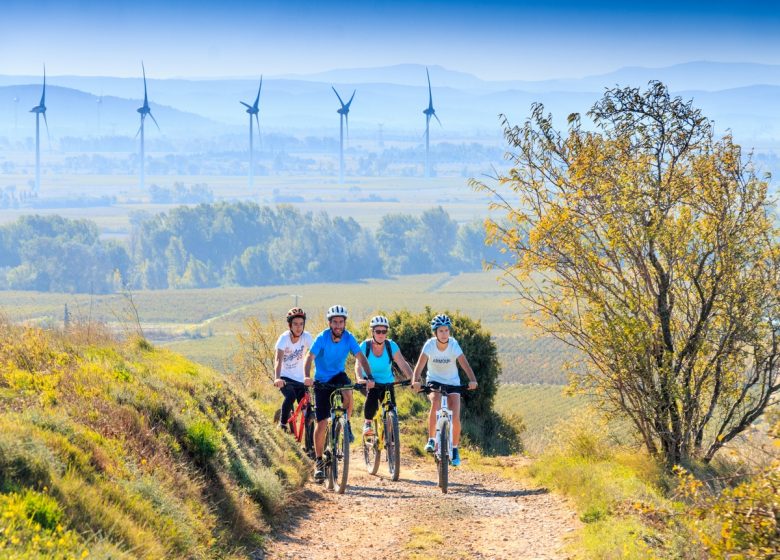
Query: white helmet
point(379, 321)
point(336, 311)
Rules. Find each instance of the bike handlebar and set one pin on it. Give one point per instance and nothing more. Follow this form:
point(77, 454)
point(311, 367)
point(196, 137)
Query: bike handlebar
point(451, 389)
point(336, 387)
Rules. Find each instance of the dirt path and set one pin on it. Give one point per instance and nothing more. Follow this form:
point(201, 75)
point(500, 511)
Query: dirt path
point(483, 516)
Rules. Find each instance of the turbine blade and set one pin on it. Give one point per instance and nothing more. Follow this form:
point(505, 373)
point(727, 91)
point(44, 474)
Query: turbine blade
point(43, 95)
point(346, 122)
point(257, 99)
point(258, 123)
point(247, 105)
point(155, 120)
point(437, 119)
point(337, 95)
point(140, 127)
point(47, 128)
point(430, 95)
point(351, 98)
point(144, 71)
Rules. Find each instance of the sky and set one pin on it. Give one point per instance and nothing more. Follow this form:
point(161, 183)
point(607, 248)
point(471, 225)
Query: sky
point(492, 39)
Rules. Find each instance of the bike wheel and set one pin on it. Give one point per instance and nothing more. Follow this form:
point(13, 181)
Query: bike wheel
point(308, 434)
point(444, 459)
point(327, 455)
point(340, 456)
point(393, 444)
point(371, 451)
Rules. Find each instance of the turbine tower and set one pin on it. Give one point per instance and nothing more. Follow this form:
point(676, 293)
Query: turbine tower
point(429, 112)
point(253, 111)
point(16, 117)
point(143, 111)
point(39, 110)
point(99, 102)
point(343, 116)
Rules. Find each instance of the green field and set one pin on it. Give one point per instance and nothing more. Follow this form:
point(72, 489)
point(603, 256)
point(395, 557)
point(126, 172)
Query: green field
point(366, 199)
point(202, 323)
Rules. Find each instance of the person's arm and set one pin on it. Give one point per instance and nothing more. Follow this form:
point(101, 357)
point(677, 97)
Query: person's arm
point(307, 380)
point(417, 373)
point(278, 381)
point(359, 372)
point(464, 363)
point(361, 358)
point(402, 364)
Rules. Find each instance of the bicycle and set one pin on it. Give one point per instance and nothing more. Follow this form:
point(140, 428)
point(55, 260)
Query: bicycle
point(386, 435)
point(301, 420)
point(336, 452)
point(442, 451)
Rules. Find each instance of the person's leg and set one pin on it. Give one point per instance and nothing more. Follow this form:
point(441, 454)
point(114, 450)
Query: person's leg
point(453, 401)
point(435, 399)
point(287, 404)
point(322, 400)
point(372, 404)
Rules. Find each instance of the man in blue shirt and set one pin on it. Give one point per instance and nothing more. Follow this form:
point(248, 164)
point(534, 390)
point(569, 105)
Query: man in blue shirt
point(329, 353)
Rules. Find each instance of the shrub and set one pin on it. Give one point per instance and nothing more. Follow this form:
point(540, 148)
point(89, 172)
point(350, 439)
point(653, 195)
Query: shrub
point(203, 439)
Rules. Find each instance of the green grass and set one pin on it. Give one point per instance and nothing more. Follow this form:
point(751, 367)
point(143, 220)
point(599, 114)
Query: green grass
point(125, 450)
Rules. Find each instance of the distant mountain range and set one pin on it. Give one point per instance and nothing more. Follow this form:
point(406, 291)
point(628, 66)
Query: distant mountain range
point(742, 97)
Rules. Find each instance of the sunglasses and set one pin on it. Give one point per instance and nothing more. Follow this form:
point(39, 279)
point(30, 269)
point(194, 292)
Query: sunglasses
point(380, 331)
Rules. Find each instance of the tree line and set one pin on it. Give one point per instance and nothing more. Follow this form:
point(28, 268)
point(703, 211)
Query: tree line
point(238, 243)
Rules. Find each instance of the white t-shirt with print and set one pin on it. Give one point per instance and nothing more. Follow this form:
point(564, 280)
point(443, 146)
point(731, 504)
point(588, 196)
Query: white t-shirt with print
point(294, 354)
point(442, 365)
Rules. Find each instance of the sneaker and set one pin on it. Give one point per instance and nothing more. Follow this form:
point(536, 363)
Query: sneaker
point(368, 430)
point(319, 471)
point(349, 433)
point(455, 457)
point(430, 445)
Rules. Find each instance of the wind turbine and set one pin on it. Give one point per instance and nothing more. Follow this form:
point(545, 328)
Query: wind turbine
point(253, 111)
point(344, 116)
point(143, 111)
point(16, 119)
point(429, 112)
point(39, 110)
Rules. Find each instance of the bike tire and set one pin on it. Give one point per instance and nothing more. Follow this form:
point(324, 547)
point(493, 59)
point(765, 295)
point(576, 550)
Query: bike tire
point(308, 434)
point(371, 452)
point(444, 459)
point(340, 461)
point(329, 458)
point(393, 444)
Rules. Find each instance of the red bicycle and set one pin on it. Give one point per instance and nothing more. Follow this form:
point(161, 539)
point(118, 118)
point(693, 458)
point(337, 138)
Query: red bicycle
point(301, 421)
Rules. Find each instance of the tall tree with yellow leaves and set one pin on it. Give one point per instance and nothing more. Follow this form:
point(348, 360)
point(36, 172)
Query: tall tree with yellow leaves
point(648, 244)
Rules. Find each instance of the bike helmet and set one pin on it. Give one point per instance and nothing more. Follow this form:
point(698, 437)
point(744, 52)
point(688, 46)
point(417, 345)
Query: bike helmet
point(379, 321)
point(336, 311)
point(295, 312)
point(440, 320)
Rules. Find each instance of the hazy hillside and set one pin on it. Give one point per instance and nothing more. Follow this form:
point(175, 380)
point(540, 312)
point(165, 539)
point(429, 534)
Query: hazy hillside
point(741, 97)
point(115, 450)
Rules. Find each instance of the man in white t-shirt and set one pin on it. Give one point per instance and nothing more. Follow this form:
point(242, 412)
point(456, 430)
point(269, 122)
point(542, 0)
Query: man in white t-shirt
point(291, 349)
point(442, 354)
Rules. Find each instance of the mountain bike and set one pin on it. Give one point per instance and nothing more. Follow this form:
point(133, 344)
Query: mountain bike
point(442, 451)
point(386, 434)
point(301, 421)
point(336, 452)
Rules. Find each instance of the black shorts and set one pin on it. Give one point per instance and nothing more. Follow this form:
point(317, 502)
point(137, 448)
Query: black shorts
point(322, 394)
point(451, 389)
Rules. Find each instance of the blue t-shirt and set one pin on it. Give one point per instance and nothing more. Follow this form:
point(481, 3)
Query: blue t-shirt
point(381, 370)
point(330, 358)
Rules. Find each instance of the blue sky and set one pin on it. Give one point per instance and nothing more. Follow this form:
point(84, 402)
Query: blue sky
point(491, 39)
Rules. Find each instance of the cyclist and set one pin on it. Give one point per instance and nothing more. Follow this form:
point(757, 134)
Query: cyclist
point(381, 352)
point(440, 353)
point(329, 354)
point(291, 350)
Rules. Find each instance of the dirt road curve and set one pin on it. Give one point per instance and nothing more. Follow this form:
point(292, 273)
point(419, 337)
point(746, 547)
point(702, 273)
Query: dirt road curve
point(483, 516)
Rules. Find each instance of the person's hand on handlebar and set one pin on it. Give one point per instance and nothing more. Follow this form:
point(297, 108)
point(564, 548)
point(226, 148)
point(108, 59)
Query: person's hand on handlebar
point(279, 382)
point(416, 386)
point(369, 383)
point(308, 381)
point(472, 385)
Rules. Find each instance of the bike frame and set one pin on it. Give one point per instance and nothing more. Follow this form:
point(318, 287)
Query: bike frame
point(442, 413)
point(297, 420)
